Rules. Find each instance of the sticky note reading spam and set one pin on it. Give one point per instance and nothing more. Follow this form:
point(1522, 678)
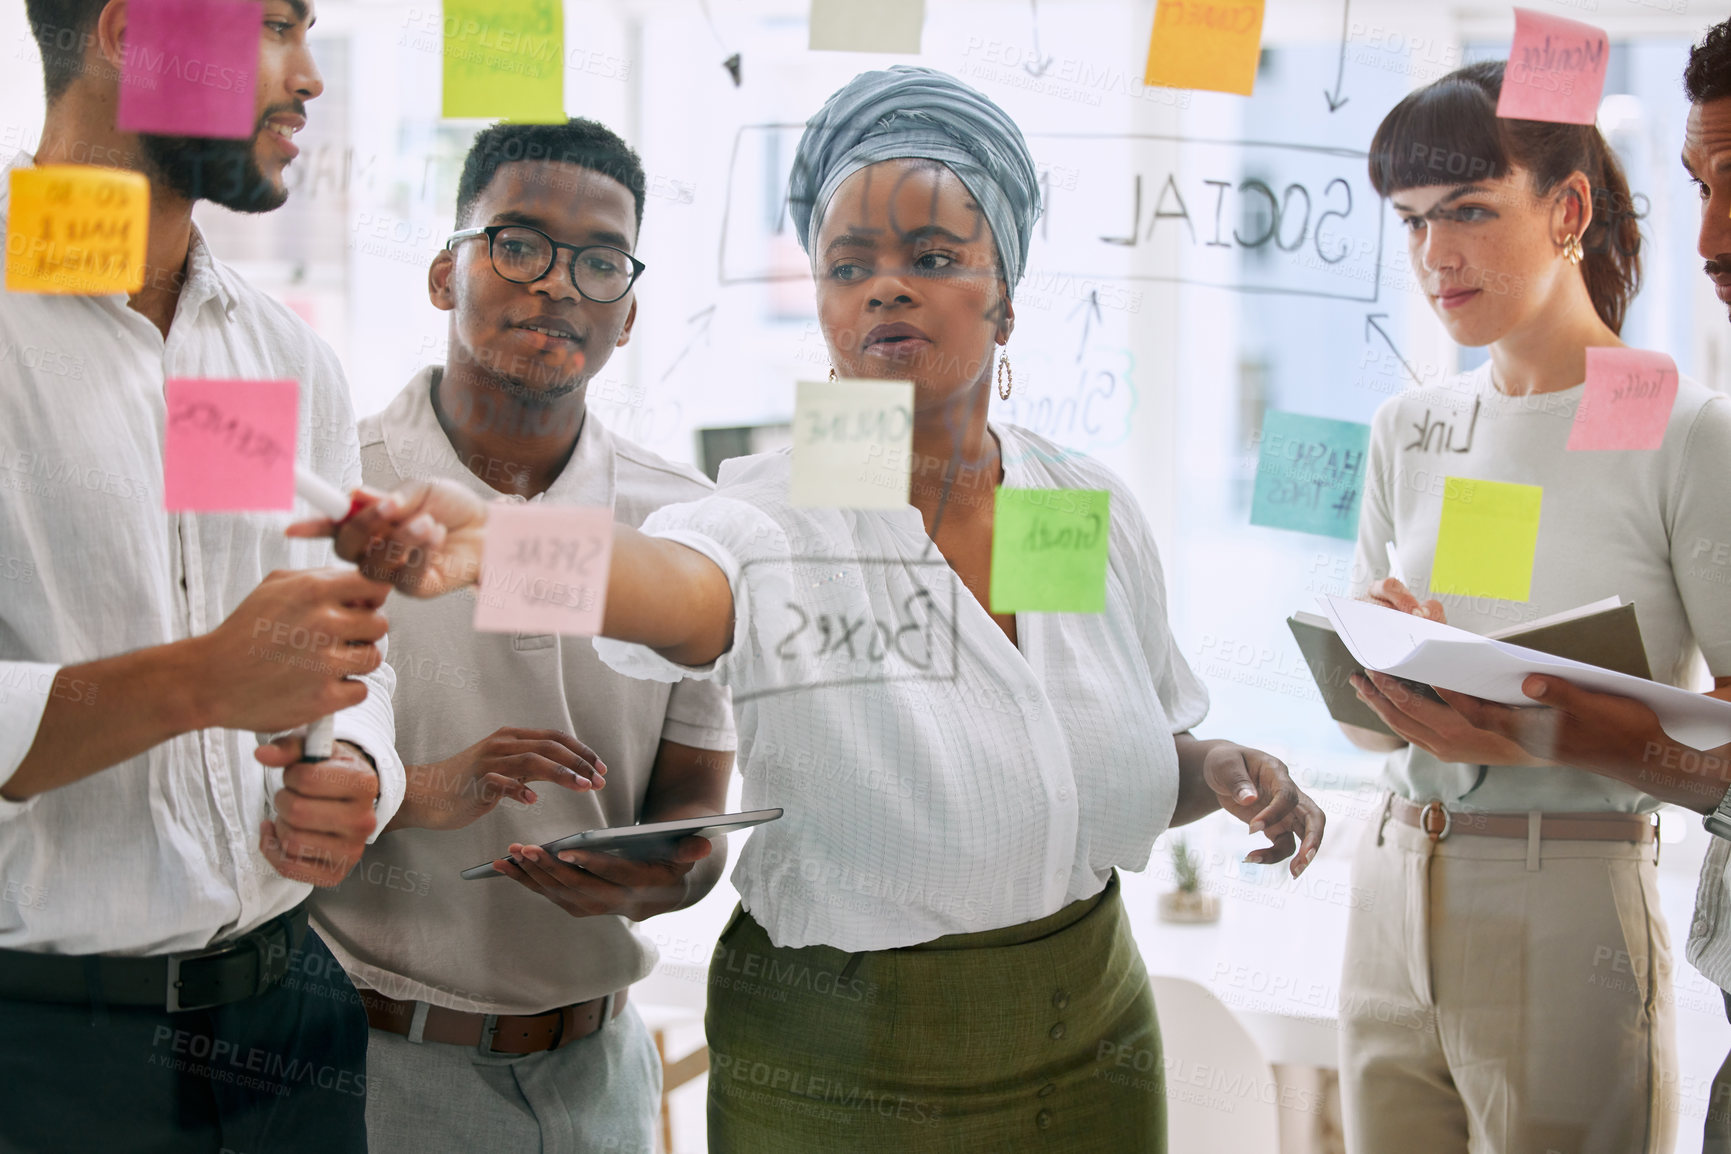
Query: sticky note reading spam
point(1211, 44)
point(505, 59)
point(1310, 474)
point(75, 228)
point(1556, 70)
point(857, 26)
point(229, 445)
point(1627, 402)
point(1049, 551)
point(544, 569)
point(852, 444)
point(1487, 539)
point(191, 67)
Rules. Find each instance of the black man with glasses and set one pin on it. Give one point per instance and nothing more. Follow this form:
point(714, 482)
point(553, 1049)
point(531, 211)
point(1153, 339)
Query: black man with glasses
point(499, 1007)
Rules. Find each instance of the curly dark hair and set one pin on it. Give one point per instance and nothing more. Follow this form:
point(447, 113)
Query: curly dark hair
point(1708, 75)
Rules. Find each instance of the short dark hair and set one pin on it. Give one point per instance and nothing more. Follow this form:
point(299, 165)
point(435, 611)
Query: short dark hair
point(1708, 74)
point(1448, 132)
point(63, 30)
point(585, 143)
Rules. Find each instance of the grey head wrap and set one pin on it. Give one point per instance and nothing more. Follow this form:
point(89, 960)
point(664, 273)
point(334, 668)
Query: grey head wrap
point(906, 113)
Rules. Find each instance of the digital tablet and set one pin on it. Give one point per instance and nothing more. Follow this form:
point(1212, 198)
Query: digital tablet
point(643, 842)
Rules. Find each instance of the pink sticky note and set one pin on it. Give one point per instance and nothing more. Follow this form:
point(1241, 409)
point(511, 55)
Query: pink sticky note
point(230, 445)
point(190, 67)
point(1556, 70)
point(544, 569)
point(1627, 402)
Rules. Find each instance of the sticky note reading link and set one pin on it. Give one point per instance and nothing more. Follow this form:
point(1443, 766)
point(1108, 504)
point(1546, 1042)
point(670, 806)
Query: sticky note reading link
point(544, 569)
point(229, 445)
point(76, 228)
point(1049, 550)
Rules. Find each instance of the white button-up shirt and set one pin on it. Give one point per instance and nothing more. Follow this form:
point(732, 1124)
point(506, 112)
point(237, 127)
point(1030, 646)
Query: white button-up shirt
point(937, 778)
point(160, 852)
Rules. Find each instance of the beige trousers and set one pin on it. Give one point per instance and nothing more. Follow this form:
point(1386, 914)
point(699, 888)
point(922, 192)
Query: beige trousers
point(1499, 1000)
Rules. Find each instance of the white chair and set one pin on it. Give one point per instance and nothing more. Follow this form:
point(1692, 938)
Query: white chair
point(1221, 1097)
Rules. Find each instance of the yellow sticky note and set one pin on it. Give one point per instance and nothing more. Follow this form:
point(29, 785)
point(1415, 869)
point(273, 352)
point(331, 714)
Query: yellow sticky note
point(1212, 44)
point(1487, 539)
point(76, 228)
point(505, 59)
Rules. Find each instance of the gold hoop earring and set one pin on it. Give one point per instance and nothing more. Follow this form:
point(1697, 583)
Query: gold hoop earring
point(1572, 251)
point(832, 375)
point(1006, 378)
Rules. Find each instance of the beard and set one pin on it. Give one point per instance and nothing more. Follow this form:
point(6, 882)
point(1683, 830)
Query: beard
point(224, 172)
point(528, 394)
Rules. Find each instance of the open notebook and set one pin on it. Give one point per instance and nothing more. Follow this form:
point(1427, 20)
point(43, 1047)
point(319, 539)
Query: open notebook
point(1604, 633)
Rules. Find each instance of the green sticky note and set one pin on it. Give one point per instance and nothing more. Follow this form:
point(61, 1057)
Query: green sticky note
point(1049, 551)
point(1310, 474)
point(504, 60)
point(1486, 542)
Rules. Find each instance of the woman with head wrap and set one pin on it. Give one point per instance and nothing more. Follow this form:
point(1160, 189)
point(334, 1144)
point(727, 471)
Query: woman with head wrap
point(930, 953)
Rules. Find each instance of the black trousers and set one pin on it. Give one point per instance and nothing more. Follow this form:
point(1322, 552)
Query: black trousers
point(281, 1073)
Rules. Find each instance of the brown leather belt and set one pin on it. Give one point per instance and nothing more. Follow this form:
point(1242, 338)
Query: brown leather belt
point(492, 1033)
point(1439, 822)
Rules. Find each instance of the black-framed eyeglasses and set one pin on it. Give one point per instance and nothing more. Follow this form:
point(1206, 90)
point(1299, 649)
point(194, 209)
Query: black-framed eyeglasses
point(524, 255)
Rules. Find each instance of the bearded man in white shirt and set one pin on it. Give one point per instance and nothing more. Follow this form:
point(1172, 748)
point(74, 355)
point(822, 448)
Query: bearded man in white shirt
point(499, 1010)
point(158, 988)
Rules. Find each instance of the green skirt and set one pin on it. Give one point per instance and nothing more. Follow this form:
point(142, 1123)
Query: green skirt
point(1033, 1037)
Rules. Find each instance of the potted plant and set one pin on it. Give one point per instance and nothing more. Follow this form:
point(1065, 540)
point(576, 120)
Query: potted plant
point(1187, 903)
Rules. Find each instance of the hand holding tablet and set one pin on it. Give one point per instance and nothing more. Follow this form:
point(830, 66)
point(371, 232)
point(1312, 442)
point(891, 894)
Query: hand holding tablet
point(647, 842)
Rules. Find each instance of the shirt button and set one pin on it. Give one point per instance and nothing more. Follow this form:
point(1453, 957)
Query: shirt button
point(1064, 794)
point(1048, 1090)
point(1057, 1031)
point(1060, 999)
point(1043, 1119)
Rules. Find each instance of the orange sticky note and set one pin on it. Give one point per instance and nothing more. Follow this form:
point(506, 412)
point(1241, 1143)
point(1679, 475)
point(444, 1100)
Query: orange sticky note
point(544, 569)
point(229, 445)
point(76, 228)
point(1211, 44)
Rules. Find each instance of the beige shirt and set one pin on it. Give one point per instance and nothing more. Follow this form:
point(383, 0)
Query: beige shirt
point(404, 923)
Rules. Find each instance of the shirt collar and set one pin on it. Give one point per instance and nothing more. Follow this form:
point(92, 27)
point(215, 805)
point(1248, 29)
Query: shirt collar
point(206, 278)
point(419, 450)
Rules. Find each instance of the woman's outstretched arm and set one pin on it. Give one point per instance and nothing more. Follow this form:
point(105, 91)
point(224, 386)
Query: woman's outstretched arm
point(659, 593)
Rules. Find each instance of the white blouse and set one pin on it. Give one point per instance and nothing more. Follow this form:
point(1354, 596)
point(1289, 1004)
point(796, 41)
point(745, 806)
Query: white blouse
point(937, 778)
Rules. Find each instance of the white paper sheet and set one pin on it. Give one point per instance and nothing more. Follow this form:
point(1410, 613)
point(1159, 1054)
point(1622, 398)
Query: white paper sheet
point(1417, 649)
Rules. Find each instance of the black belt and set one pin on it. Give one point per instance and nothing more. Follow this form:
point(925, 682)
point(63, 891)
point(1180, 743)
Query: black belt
point(191, 980)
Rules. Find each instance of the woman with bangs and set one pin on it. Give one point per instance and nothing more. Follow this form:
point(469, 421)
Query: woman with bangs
point(1507, 982)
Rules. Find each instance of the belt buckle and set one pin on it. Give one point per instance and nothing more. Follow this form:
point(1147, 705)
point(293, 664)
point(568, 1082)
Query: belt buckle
point(1428, 824)
point(489, 1031)
point(172, 1000)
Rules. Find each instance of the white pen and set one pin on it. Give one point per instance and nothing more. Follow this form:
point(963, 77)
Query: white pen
point(321, 494)
point(320, 740)
point(1394, 569)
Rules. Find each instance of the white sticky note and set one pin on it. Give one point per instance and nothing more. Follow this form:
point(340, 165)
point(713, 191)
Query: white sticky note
point(858, 26)
point(852, 443)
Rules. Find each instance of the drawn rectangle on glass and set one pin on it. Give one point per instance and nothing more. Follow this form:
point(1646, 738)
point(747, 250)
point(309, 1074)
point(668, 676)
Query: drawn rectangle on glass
point(1253, 216)
point(917, 639)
